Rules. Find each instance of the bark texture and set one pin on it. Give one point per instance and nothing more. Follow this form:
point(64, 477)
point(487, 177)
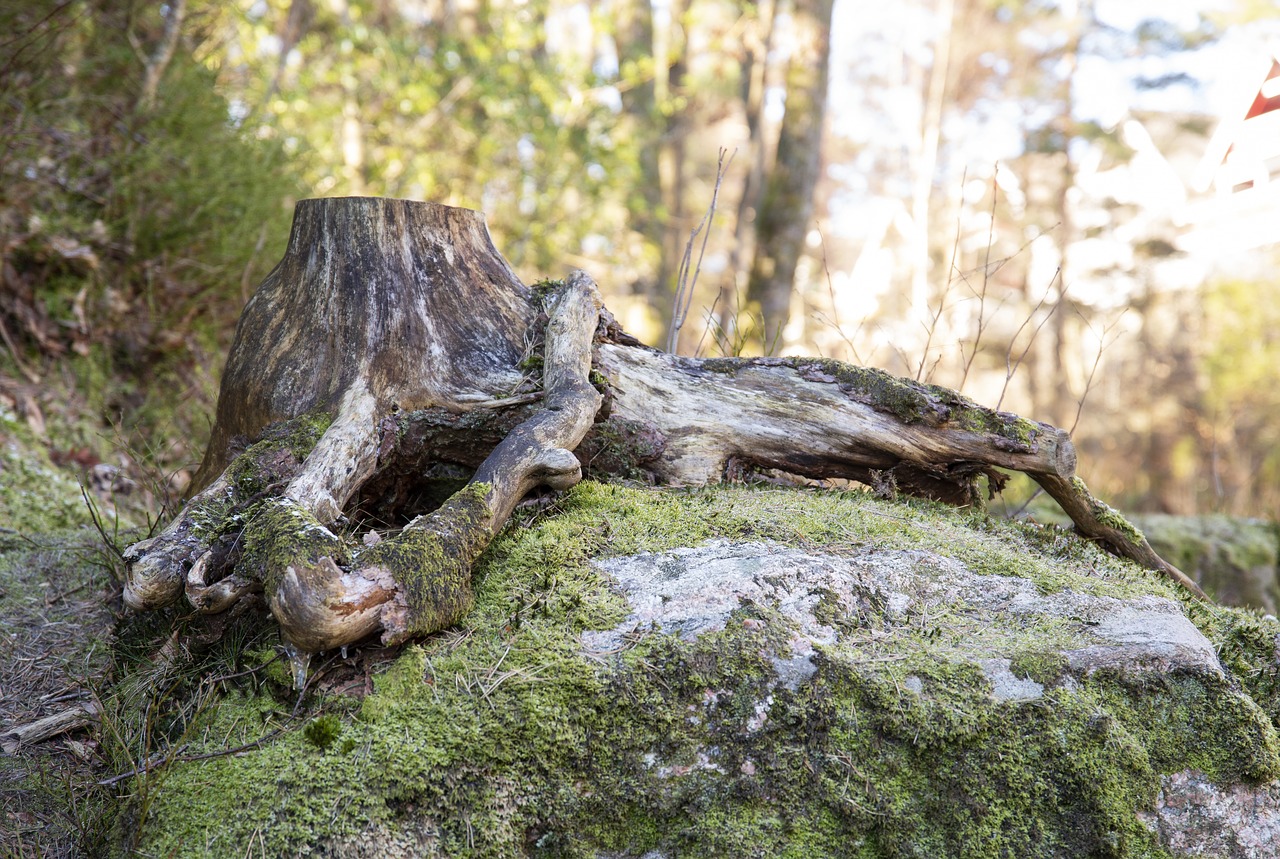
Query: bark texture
point(392, 301)
point(393, 376)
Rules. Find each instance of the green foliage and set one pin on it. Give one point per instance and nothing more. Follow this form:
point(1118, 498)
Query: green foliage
point(1241, 352)
point(133, 227)
point(472, 110)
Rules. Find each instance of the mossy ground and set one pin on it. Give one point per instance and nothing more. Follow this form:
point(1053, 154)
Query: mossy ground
point(35, 496)
point(502, 738)
point(55, 637)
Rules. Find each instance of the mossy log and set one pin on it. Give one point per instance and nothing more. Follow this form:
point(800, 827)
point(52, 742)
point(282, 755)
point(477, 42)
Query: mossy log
point(393, 351)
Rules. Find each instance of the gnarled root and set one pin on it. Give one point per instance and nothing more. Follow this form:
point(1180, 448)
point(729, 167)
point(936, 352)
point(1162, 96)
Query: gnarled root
point(159, 567)
point(420, 580)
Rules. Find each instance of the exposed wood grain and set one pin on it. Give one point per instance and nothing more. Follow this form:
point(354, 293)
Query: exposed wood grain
point(409, 299)
point(821, 419)
point(420, 580)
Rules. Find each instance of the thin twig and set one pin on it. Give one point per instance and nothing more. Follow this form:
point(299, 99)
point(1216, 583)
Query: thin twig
point(685, 285)
point(834, 322)
point(186, 759)
point(932, 326)
point(98, 525)
point(1097, 359)
point(986, 279)
point(16, 53)
point(1011, 366)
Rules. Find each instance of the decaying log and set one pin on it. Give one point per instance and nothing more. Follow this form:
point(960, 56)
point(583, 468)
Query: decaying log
point(392, 352)
point(822, 418)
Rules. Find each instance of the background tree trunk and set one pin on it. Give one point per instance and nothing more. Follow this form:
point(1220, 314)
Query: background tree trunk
point(788, 198)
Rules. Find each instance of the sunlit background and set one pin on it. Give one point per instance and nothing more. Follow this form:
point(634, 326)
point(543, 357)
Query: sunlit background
point(1067, 209)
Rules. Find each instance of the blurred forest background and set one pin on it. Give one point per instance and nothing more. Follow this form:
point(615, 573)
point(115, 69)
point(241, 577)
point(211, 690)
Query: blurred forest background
point(1062, 208)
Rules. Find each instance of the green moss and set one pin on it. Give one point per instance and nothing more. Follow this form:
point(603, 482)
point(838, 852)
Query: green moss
point(323, 731)
point(35, 496)
point(432, 559)
point(1106, 514)
point(211, 515)
point(276, 456)
point(503, 738)
point(279, 533)
point(544, 289)
point(1046, 667)
point(1008, 781)
point(1248, 643)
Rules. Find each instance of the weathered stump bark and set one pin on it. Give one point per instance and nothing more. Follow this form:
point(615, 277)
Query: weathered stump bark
point(393, 346)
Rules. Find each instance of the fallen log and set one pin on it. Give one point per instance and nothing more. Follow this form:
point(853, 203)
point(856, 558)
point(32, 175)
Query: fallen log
point(393, 350)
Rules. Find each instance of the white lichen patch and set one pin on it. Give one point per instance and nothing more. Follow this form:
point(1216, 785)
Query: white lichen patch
point(890, 595)
point(689, 592)
point(1007, 686)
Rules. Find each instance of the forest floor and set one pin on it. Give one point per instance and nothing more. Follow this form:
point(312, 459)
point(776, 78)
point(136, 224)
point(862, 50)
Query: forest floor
point(58, 606)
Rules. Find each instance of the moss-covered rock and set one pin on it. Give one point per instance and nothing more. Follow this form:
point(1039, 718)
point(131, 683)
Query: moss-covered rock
point(739, 672)
point(1236, 561)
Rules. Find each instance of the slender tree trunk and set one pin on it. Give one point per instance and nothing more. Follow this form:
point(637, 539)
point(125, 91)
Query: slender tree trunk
point(642, 68)
point(162, 55)
point(757, 74)
point(787, 207)
point(351, 130)
point(669, 48)
point(1063, 404)
point(295, 25)
point(926, 166)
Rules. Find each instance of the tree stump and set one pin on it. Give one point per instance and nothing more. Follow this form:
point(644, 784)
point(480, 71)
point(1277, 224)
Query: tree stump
point(393, 349)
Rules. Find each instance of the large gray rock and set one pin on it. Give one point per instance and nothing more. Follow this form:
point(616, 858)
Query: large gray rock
point(1195, 817)
point(767, 673)
point(692, 591)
